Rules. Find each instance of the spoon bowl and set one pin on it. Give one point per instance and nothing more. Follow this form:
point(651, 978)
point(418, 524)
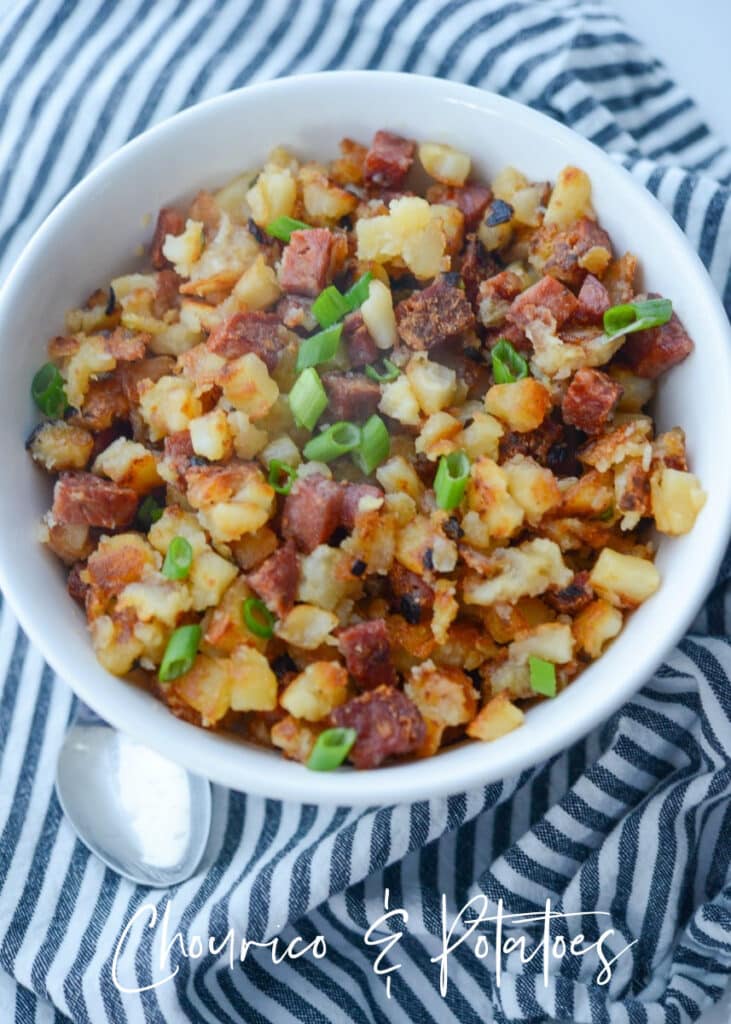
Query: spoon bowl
point(146, 817)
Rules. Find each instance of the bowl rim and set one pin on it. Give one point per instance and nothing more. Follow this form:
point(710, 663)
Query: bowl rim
point(404, 782)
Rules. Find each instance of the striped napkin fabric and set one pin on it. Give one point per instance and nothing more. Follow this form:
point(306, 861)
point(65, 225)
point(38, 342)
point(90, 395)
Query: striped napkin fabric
point(634, 822)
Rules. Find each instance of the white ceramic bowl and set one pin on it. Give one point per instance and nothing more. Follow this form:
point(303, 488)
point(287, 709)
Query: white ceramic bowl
point(94, 234)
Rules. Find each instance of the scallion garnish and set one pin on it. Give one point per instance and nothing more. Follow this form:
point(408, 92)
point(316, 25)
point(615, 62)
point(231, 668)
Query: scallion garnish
point(331, 748)
point(637, 316)
point(375, 445)
point(180, 653)
point(178, 559)
point(283, 227)
point(308, 398)
point(148, 513)
point(507, 364)
point(391, 372)
point(281, 476)
point(329, 306)
point(337, 440)
point(542, 676)
point(319, 348)
point(358, 292)
point(48, 391)
point(257, 617)
point(451, 479)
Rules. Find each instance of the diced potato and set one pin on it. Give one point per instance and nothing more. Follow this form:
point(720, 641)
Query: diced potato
point(248, 387)
point(523, 571)
point(507, 182)
point(481, 437)
point(156, 598)
point(444, 695)
point(229, 520)
point(596, 625)
point(420, 536)
point(555, 358)
point(294, 738)
point(411, 230)
point(402, 506)
point(325, 577)
point(445, 610)
point(90, 359)
point(396, 475)
point(224, 628)
point(378, 315)
point(677, 498)
point(186, 249)
point(116, 646)
point(552, 641)
point(526, 203)
point(438, 436)
point(251, 549)
point(488, 495)
point(399, 401)
point(325, 202)
point(257, 287)
point(168, 405)
point(451, 221)
point(248, 439)
point(373, 541)
point(433, 384)
point(58, 446)
point(533, 487)
point(253, 684)
point(273, 195)
point(232, 197)
point(497, 718)
point(317, 691)
point(174, 340)
point(129, 464)
point(210, 435)
point(198, 316)
point(444, 163)
point(626, 441)
point(175, 522)
point(306, 626)
point(591, 495)
point(206, 688)
point(282, 448)
point(624, 580)
point(570, 199)
point(210, 575)
point(521, 406)
point(71, 542)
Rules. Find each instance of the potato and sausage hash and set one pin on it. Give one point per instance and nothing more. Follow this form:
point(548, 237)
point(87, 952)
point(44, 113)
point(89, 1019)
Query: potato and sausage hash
point(362, 463)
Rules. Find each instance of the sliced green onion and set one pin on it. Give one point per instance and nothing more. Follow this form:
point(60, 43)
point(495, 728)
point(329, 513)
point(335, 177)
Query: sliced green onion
point(281, 476)
point(180, 653)
point(319, 348)
point(308, 399)
point(283, 227)
point(637, 316)
point(607, 515)
point(358, 292)
point(451, 479)
point(542, 676)
point(375, 445)
point(507, 364)
point(48, 391)
point(330, 306)
point(337, 440)
point(259, 620)
point(391, 372)
point(331, 748)
point(178, 559)
point(148, 513)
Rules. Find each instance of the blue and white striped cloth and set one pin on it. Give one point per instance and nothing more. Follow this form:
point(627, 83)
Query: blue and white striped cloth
point(635, 821)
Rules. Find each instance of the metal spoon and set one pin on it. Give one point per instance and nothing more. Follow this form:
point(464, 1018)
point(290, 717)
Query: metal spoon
point(146, 817)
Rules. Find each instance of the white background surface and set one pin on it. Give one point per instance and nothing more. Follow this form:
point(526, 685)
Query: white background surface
point(692, 39)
